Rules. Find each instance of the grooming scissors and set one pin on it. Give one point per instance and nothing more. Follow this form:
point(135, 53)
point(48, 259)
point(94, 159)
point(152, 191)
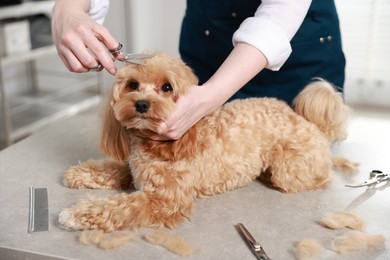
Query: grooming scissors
point(258, 251)
point(118, 55)
point(375, 177)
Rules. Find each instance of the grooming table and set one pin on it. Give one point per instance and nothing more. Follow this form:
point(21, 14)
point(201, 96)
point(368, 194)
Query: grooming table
point(275, 219)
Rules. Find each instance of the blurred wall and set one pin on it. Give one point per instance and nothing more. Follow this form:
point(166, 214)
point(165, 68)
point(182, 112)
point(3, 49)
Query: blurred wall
point(366, 39)
point(155, 24)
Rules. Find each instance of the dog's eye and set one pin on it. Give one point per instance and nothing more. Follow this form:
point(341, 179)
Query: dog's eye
point(133, 85)
point(166, 87)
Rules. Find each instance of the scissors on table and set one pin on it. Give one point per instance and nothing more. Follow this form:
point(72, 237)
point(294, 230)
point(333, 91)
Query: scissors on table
point(375, 177)
point(258, 251)
point(136, 58)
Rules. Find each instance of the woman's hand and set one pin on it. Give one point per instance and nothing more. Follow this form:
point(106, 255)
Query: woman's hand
point(81, 42)
point(190, 108)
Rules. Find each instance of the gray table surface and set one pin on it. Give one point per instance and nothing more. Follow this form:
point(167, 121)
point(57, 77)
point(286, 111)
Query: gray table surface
point(275, 219)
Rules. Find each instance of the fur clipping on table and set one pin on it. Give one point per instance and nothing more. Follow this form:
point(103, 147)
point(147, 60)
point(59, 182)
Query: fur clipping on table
point(308, 249)
point(114, 240)
point(106, 241)
point(353, 240)
point(356, 240)
point(172, 243)
point(345, 166)
point(343, 219)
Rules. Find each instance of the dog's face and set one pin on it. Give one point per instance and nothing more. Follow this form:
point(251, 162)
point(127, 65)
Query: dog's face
point(143, 96)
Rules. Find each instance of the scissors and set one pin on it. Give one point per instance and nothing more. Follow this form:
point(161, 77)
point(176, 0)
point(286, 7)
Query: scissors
point(376, 177)
point(135, 58)
point(258, 251)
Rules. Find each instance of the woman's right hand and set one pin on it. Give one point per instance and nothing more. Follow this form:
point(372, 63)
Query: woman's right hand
point(81, 42)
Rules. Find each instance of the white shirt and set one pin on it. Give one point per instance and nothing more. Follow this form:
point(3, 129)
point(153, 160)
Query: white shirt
point(270, 30)
point(98, 10)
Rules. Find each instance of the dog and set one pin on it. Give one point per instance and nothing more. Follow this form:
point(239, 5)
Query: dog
point(227, 149)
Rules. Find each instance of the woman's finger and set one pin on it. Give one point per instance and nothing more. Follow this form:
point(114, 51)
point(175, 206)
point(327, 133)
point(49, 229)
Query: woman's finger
point(78, 58)
point(71, 62)
point(99, 46)
point(83, 50)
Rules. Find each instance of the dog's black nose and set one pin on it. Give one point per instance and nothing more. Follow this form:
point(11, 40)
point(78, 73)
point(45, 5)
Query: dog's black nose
point(142, 106)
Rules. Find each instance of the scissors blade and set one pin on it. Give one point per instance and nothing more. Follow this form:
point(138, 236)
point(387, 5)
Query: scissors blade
point(135, 61)
point(256, 247)
point(363, 184)
point(135, 58)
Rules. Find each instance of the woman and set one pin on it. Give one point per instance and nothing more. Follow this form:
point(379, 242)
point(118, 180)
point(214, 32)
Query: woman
point(269, 55)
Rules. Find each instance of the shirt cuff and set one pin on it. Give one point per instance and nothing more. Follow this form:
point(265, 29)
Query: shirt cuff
point(267, 37)
point(98, 10)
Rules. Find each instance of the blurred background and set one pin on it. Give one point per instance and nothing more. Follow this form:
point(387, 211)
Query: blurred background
point(36, 89)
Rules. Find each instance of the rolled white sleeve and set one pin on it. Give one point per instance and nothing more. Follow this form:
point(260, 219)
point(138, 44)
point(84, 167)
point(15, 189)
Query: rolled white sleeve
point(271, 29)
point(98, 10)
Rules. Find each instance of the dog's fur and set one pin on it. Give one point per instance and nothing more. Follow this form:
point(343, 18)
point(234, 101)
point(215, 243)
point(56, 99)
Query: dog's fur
point(225, 150)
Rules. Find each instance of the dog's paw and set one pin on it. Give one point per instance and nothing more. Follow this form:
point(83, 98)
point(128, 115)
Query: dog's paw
point(79, 177)
point(68, 220)
point(91, 213)
point(95, 174)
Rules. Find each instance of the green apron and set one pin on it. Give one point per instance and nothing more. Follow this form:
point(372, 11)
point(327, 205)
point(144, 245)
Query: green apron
point(206, 41)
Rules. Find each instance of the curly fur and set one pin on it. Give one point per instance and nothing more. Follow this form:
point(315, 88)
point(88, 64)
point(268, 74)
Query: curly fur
point(228, 149)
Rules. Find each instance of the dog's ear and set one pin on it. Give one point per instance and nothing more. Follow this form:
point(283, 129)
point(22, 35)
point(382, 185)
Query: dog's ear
point(181, 76)
point(113, 140)
point(187, 76)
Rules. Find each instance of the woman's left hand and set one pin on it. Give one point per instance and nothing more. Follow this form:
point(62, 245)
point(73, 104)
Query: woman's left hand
point(190, 108)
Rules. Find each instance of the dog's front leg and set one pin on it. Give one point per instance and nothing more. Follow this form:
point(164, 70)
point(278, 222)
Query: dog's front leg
point(149, 207)
point(99, 174)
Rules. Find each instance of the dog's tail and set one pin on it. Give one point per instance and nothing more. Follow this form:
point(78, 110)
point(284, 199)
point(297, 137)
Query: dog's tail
point(320, 103)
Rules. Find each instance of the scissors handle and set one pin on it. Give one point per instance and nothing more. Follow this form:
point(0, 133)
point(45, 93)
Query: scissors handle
point(117, 49)
point(376, 177)
point(256, 247)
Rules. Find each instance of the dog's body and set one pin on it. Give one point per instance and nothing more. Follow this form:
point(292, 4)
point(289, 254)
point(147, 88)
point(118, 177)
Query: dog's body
point(225, 150)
